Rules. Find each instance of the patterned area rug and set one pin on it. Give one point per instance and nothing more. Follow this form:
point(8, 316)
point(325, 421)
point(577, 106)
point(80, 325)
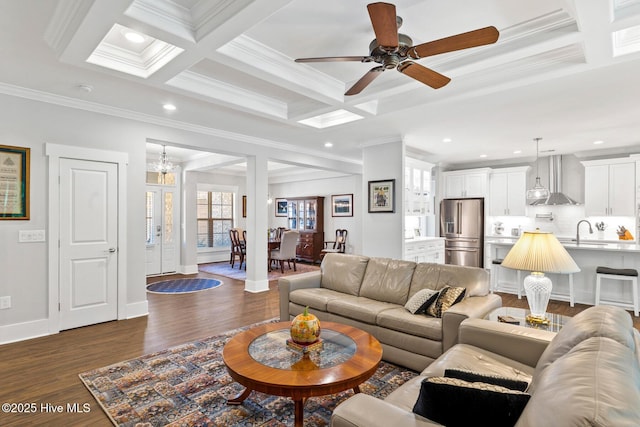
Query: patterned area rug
point(224, 269)
point(188, 385)
point(182, 286)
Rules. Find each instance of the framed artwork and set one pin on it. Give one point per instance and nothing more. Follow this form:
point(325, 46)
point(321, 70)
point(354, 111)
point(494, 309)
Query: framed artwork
point(281, 207)
point(14, 182)
point(342, 205)
point(244, 206)
point(382, 196)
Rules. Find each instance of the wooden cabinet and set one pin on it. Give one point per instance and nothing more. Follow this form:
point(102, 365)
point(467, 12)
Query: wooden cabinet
point(507, 191)
point(609, 187)
point(306, 214)
point(466, 183)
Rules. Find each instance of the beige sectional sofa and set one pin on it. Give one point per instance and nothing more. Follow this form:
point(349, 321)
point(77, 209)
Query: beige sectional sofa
point(586, 375)
point(370, 294)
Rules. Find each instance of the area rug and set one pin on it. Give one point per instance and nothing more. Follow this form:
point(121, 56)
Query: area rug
point(182, 286)
point(188, 385)
point(224, 269)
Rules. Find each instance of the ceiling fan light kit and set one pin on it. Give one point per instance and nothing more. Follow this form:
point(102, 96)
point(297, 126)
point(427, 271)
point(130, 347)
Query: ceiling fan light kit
point(391, 49)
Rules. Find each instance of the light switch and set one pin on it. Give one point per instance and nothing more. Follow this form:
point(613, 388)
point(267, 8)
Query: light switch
point(31, 236)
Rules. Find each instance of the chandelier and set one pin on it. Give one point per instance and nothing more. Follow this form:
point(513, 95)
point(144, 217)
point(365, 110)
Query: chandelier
point(163, 166)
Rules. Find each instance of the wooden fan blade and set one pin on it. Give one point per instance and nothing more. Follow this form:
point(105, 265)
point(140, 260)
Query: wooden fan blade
point(336, 59)
point(365, 81)
point(481, 37)
point(423, 74)
point(383, 20)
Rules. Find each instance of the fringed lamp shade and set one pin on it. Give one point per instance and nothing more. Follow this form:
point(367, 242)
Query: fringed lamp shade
point(539, 253)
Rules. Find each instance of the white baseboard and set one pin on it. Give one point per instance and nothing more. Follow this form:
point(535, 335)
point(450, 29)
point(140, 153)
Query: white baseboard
point(206, 257)
point(137, 309)
point(189, 269)
point(255, 286)
point(24, 331)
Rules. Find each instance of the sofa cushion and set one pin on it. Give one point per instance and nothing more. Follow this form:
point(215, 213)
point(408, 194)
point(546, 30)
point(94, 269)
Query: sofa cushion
point(422, 299)
point(399, 319)
point(359, 308)
point(454, 402)
point(597, 383)
point(446, 298)
point(599, 321)
point(437, 276)
point(387, 280)
point(314, 298)
point(343, 272)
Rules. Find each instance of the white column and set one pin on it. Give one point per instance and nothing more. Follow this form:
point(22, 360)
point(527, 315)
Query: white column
point(257, 224)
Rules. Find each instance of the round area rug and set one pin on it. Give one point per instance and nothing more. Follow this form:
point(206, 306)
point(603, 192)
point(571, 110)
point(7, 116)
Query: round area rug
point(182, 286)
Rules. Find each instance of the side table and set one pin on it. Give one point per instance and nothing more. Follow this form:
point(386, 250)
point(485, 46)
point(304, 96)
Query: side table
point(556, 321)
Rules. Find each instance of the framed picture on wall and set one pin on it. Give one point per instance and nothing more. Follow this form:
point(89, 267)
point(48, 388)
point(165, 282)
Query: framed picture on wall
point(281, 207)
point(382, 196)
point(342, 205)
point(244, 206)
point(14, 182)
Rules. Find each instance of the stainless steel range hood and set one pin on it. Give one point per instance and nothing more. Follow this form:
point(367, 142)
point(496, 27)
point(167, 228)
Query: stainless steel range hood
point(556, 197)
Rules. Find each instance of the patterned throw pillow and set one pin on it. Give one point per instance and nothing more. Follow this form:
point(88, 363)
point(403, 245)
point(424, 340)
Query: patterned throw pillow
point(453, 402)
point(448, 296)
point(422, 299)
point(510, 383)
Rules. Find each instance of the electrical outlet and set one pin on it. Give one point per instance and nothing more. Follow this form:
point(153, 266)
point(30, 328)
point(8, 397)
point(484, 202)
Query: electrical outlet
point(5, 302)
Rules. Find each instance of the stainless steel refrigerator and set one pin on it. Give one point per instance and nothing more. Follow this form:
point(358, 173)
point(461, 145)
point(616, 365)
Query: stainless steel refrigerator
point(462, 226)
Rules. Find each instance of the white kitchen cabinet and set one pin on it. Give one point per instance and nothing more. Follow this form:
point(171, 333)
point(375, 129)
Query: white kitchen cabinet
point(466, 183)
point(507, 191)
point(424, 250)
point(418, 194)
point(609, 187)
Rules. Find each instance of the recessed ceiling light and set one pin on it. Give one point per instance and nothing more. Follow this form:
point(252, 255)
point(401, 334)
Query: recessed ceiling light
point(517, 152)
point(598, 142)
point(446, 140)
point(134, 37)
point(328, 144)
point(483, 155)
point(169, 107)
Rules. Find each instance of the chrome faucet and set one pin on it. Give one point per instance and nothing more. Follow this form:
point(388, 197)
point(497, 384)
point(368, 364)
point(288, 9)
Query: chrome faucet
point(578, 230)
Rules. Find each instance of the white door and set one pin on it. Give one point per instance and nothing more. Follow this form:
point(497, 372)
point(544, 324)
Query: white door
point(88, 242)
point(161, 230)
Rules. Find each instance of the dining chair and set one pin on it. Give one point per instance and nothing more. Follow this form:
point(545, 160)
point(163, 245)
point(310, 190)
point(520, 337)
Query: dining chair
point(287, 250)
point(336, 246)
point(238, 248)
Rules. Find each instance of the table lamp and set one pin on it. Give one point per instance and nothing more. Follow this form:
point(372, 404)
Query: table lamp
point(539, 252)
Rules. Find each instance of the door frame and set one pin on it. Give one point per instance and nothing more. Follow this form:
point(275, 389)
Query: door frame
point(55, 152)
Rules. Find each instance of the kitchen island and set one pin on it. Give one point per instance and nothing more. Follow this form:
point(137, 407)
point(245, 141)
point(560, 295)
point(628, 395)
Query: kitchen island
point(424, 249)
point(588, 255)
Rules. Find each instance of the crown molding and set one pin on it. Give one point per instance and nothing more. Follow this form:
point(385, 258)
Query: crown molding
point(64, 23)
point(164, 14)
point(49, 98)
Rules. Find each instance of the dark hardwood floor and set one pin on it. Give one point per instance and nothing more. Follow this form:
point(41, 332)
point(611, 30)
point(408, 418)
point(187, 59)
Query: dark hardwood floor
point(45, 370)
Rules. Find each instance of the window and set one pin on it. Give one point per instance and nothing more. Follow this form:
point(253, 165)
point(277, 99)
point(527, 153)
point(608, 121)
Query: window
point(215, 218)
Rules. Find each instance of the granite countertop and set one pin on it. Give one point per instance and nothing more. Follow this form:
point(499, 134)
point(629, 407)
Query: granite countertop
point(591, 245)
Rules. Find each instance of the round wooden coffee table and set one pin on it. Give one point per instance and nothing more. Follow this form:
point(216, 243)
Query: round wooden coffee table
point(260, 360)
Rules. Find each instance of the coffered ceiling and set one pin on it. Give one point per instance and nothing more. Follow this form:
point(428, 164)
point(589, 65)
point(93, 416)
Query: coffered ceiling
point(564, 70)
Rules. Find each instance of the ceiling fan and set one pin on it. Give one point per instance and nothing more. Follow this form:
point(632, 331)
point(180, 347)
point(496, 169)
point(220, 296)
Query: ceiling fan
point(394, 50)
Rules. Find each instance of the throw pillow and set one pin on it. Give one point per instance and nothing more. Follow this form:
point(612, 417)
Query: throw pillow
point(453, 402)
point(447, 297)
point(422, 299)
point(510, 383)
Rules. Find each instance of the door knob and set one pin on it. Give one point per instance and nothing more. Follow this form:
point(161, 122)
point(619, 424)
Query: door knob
point(112, 250)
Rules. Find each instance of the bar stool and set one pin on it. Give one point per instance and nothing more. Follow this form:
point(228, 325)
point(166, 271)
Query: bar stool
point(495, 272)
point(619, 274)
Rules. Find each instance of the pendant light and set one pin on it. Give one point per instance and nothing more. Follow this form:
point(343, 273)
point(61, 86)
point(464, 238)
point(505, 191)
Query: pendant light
point(538, 192)
point(164, 165)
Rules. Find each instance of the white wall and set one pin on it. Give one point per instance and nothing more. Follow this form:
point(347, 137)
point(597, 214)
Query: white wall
point(384, 236)
point(326, 187)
